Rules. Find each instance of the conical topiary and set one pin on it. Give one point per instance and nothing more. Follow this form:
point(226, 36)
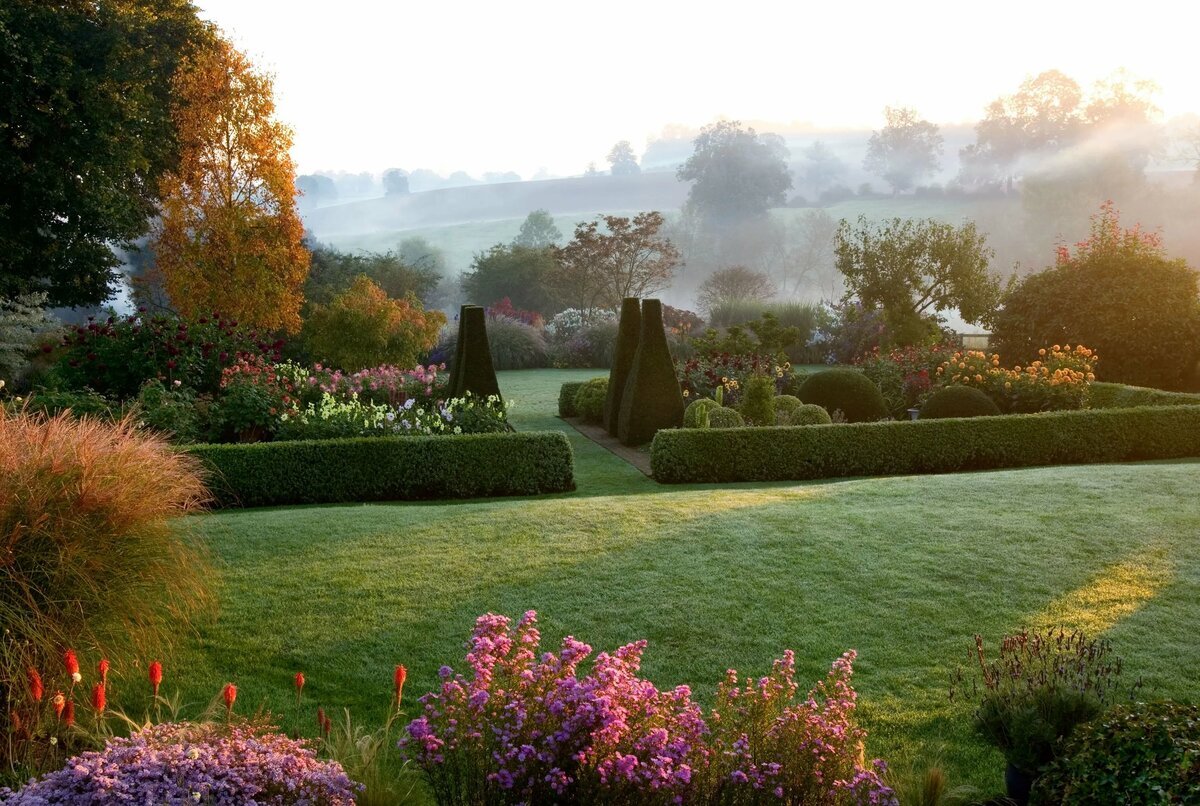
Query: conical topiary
point(628, 333)
point(474, 372)
point(652, 398)
point(459, 341)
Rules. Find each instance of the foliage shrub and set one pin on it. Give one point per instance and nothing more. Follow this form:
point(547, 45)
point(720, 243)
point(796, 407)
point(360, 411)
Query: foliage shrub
point(96, 553)
point(786, 404)
point(758, 407)
point(592, 346)
point(175, 762)
point(906, 374)
point(523, 726)
point(722, 417)
point(117, 355)
point(1118, 396)
point(628, 332)
point(1135, 753)
point(172, 412)
point(1058, 379)
point(1119, 293)
point(927, 446)
point(805, 317)
point(24, 323)
point(958, 401)
point(363, 327)
point(847, 391)
point(81, 403)
point(566, 398)
point(254, 396)
point(702, 376)
point(694, 415)
point(652, 399)
point(589, 400)
point(1041, 686)
point(808, 414)
point(389, 468)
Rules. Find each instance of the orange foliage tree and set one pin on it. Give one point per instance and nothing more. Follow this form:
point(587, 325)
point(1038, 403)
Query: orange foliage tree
point(230, 239)
point(364, 327)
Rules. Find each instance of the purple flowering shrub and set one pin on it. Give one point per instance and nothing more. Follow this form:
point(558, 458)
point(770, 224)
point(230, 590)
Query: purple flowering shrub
point(524, 726)
point(194, 763)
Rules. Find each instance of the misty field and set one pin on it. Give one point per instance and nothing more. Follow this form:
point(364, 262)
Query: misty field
point(905, 570)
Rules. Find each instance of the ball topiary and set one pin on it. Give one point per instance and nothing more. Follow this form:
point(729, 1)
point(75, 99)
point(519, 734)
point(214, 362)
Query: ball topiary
point(809, 414)
point(758, 406)
point(589, 400)
point(693, 415)
point(628, 333)
point(652, 398)
point(1136, 753)
point(724, 418)
point(958, 401)
point(566, 398)
point(785, 405)
point(847, 391)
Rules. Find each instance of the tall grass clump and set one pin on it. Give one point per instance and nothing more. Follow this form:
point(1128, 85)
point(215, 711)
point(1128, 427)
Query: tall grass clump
point(93, 556)
point(513, 344)
point(790, 313)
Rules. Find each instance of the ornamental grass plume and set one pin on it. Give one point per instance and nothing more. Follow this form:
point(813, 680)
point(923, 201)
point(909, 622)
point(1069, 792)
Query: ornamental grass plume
point(94, 551)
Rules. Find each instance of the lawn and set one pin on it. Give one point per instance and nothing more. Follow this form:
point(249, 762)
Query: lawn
point(905, 570)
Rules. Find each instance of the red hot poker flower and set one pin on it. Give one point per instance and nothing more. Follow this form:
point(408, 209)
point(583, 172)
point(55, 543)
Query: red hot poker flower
point(72, 664)
point(156, 676)
point(229, 694)
point(98, 698)
point(400, 677)
point(299, 683)
point(69, 713)
point(36, 689)
point(102, 667)
point(60, 702)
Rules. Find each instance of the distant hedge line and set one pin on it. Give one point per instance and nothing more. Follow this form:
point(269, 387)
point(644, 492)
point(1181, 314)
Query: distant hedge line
point(925, 446)
point(1120, 396)
point(388, 469)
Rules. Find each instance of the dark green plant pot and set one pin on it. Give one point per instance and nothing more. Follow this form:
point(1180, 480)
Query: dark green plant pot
point(1018, 782)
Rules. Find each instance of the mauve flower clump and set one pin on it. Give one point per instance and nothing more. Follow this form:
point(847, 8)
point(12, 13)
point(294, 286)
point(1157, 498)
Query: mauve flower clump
point(181, 763)
point(525, 727)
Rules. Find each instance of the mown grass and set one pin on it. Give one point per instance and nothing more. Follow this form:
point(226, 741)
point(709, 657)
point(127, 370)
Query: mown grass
point(905, 570)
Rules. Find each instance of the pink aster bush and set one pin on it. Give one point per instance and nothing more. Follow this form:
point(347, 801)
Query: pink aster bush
point(524, 726)
point(194, 763)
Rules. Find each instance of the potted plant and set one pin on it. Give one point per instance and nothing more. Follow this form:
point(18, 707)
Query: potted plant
point(1032, 696)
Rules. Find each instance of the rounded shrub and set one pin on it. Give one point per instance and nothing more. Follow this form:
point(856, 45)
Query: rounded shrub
point(785, 405)
point(724, 418)
point(1137, 753)
point(693, 415)
point(809, 414)
point(758, 406)
point(589, 400)
point(958, 401)
point(847, 391)
point(516, 345)
point(97, 553)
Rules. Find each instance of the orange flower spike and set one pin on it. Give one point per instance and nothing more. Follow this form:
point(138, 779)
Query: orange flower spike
point(36, 689)
point(156, 676)
point(59, 702)
point(68, 714)
point(400, 676)
point(102, 667)
point(72, 664)
point(229, 695)
point(299, 680)
point(99, 699)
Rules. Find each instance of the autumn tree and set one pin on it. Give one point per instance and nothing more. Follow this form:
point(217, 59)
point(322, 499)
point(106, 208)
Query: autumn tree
point(364, 327)
point(623, 160)
point(734, 284)
point(627, 258)
point(85, 134)
point(905, 150)
point(230, 239)
point(911, 270)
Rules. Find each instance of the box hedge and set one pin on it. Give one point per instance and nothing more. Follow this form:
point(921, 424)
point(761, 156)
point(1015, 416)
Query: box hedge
point(388, 469)
point(1119, 396)
point(925, 446)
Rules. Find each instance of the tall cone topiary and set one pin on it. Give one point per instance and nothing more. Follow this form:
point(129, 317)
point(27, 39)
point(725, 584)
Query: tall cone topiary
point(628, 333)
point(459, 341)
point(652, 398)
point(474, 372)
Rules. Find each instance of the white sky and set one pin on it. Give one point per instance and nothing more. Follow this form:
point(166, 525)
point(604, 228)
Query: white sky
point(525, 84)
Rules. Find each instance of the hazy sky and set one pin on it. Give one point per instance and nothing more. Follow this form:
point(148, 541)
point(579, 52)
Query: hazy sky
point(489, 86)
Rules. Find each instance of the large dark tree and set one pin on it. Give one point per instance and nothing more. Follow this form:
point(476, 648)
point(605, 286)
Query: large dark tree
point(333, 271)
point(86, 132)
point(735, 173)
point(523, 274)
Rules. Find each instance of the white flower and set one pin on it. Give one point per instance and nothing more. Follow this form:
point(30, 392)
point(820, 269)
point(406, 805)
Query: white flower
point(53, 739)
point(77, 677)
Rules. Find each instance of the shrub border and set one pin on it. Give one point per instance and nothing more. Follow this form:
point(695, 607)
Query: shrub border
point(388, 468)
point(796, 453)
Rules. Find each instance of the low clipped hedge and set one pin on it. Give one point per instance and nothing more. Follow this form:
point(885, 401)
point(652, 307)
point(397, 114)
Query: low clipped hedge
point(1119, 396)
point(925, 446)
point(388, 468)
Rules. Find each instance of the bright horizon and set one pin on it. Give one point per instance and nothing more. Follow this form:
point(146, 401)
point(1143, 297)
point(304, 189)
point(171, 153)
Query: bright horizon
point(482, 87)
